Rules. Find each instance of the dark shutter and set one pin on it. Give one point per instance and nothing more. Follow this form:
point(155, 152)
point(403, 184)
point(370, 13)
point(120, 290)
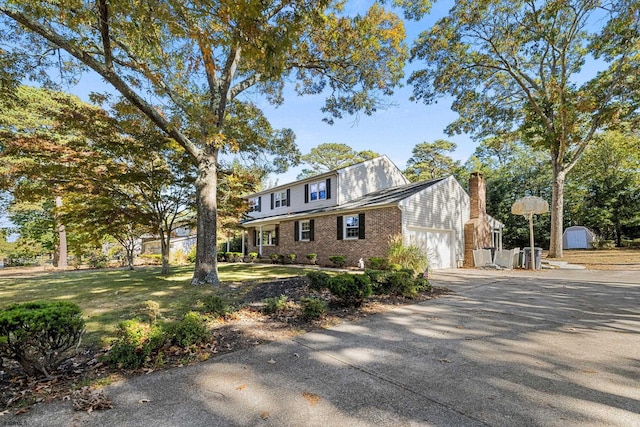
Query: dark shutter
point(306, 193)
point(296, 231)
point(311, 223)
point(277, 235)
point(259, 204)
point(361, 226)
point(340, 230)
point(272, 197)
point(328, 188)
point(255, 237)
point(288, 197)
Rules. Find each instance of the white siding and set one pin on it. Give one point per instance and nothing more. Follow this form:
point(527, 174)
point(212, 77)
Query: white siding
point(363, 178)
point(443, 206)
point(297, 203)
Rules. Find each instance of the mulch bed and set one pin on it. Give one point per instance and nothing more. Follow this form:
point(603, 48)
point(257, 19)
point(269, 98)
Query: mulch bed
point(79, 378)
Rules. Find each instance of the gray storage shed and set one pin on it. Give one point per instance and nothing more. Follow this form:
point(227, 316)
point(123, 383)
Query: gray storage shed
point(577, 237)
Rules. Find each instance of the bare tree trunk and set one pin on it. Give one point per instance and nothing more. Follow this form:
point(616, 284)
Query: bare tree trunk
point(206, 270)
point(557, 211)
point(62, 240)
point(165, 239)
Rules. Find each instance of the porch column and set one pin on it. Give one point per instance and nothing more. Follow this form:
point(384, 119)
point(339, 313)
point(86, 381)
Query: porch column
point(242, 243)
point(260, 241)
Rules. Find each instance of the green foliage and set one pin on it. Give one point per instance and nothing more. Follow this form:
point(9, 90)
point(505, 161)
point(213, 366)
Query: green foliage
point(40, 335)
point(394, 267)
point(150, 309)
point(191, 256)
point(378, 263)
point(96, 259)
point(313, 308)
point(135, 344)
point(216, 306)
point(221, 256)
point(191, 330)
point(330, 156)
point(604, 244)
point(401, 282)
point(291, 258)
point(151, 259)
point(351, 289)
point(429, 161)
point(275, 304)
point(253, 256)
point(313, 258)
point(338, 260)
point(319, 280)
point(407, 256)
point(276, 258)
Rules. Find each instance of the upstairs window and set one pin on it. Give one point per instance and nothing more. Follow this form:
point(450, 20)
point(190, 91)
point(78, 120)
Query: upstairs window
point(315, 191)
point(281, 199)
point(255, 204)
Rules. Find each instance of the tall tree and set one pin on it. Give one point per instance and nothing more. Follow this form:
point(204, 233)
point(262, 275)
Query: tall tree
point(604, 190)
point(521, 65)
point(430, 161)
point(330, 156)
point(198, 57)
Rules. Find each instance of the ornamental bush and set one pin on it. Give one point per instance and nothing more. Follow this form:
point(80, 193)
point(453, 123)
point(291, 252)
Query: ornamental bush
point(191, 330)
point(275, 304)
point(351, 289)
point(135, 343)
point(378, 263)
point(312, 308)
point(319, 280)
point(338, 260)
point(40, 335)
point(216, 306)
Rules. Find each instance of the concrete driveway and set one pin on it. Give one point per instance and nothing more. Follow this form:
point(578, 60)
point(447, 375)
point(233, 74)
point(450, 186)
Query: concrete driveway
point(550, 348)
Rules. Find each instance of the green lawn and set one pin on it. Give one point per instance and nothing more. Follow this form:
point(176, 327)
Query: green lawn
point(108, 296)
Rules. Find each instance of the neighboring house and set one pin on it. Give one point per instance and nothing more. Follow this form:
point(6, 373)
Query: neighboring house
point(354, 210)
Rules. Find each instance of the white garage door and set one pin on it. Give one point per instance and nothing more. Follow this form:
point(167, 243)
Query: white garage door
point(438, 245)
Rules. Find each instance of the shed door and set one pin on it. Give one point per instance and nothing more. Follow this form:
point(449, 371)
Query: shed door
point(577, 239)
point(438, 245)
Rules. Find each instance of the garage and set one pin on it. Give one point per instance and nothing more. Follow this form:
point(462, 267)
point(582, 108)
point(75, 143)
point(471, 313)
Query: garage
point(438, 245)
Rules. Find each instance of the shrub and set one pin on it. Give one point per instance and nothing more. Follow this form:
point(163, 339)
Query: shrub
point(150, 309)
point(351, 289)
point(379, 281)
point(313, 258)
point(151, 259)
point(312, 308)
point(191, 330)
point(338, 260)
point(39, 335)
point(402, 283)
point(275, 304)
point(408, 256)
point(216, 306)
point(135, 342)
point(276, 258)
point(291, 258)
point(97, 259)
point(378, 263)
point(394, 267)
point(253, 256)
point(319, 280)
point(603, 244)
point(178, 256)
point(191, 256)
point(221, 256)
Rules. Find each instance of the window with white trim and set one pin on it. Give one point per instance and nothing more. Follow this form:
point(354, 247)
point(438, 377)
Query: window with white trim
point(254, 204)
point(305, 230)
point(351, 227)
point(318, 191)
point(280, 199)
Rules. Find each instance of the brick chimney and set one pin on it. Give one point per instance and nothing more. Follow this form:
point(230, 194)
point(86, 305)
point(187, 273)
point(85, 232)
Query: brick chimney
point(478, 195)
point(477, 231)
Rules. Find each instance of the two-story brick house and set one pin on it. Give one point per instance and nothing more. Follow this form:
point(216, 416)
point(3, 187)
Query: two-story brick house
point(354, 210)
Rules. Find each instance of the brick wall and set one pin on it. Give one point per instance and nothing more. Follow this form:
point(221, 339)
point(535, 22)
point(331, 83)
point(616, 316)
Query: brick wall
point(477, 231)
point(379, 225)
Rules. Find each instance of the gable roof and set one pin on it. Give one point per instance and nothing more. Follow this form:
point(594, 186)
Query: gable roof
point(384, 197)
point(320, 176)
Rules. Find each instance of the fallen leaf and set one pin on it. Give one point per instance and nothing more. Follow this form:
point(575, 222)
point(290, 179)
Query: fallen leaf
point(264, 415)
point(312, 398)
point(459, 327)
point(445, 360)
point(241, 387)
point(271, 361)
